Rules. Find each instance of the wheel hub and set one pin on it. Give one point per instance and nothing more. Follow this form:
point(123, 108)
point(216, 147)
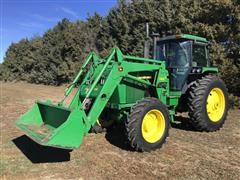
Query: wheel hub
point(215, 104)
point(153, 126)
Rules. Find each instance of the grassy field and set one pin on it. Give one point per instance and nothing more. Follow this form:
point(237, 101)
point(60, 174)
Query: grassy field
point(187, 154)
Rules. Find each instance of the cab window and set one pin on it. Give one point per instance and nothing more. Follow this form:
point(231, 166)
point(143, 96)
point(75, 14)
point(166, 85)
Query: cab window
point(199, 55)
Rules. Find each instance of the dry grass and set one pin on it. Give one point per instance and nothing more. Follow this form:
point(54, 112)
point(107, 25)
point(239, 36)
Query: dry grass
point(186, 155)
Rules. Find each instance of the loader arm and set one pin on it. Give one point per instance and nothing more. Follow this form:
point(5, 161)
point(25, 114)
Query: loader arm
point(121, 67)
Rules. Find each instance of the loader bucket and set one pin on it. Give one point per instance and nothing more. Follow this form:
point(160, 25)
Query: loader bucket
point(52, 125)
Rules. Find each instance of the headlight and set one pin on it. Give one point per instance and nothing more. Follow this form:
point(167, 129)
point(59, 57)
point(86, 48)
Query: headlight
point(199, 70)
point(196, 70)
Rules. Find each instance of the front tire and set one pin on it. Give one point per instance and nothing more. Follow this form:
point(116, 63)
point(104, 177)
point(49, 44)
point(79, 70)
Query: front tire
point(147, 125)
point(208, 104)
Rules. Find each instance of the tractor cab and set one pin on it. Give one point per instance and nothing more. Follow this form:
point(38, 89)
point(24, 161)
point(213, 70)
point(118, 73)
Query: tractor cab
point(184, 54)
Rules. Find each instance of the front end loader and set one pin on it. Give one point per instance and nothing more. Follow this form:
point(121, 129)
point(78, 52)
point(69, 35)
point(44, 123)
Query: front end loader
point(142, 93)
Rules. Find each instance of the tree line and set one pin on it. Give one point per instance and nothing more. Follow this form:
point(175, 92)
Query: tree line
point(56, 56)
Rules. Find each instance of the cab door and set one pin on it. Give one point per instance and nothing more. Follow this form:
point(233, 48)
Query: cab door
point(178, 56)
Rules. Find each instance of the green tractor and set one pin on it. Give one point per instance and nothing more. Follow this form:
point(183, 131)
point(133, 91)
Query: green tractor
point(142, 93)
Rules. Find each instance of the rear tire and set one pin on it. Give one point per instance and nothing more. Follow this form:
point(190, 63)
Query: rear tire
point(208, 104)
point(147, 125)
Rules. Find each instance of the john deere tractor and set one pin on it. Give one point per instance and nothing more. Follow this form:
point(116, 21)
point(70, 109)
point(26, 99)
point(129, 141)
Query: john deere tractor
point(143, 93)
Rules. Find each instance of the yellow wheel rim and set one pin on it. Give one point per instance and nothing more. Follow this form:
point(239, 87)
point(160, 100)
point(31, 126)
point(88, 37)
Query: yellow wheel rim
point(215, 104)
point(153, 126)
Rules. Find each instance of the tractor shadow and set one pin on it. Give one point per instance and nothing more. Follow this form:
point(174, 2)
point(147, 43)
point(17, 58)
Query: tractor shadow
point(183, 123)
point(117, 137)
point(40, 154)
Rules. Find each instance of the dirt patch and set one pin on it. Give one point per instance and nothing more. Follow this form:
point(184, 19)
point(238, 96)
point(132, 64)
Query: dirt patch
point(187, 154)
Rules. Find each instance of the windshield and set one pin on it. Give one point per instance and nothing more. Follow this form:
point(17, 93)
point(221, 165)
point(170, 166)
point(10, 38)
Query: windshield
point(174, 53)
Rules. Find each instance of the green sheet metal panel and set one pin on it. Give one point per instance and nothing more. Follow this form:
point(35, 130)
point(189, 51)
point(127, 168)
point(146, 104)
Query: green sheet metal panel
point(127, 94)
point(134, 93)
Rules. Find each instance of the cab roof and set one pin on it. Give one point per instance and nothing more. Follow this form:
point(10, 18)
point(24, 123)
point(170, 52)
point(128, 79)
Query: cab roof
point(184, 36)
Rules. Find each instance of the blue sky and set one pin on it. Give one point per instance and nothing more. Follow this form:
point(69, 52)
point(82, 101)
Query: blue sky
point(26, 18)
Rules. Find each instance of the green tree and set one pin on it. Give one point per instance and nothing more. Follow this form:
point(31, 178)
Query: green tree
point(55, 57)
